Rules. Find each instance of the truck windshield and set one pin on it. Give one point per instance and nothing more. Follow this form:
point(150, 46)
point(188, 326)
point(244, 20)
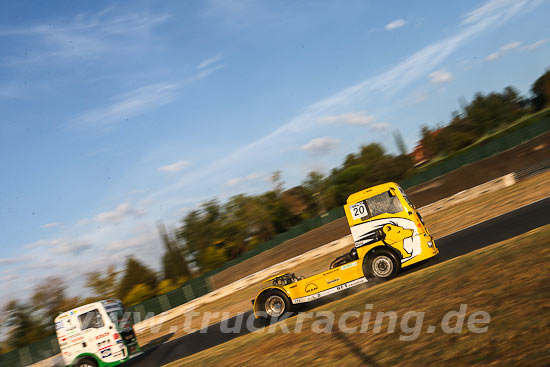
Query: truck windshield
point(116, 315)
point(384, 203)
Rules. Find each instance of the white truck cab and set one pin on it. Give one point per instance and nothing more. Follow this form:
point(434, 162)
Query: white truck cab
point(96, 335)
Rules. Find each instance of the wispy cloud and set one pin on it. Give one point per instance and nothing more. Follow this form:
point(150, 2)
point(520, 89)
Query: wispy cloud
point(86, 35)
point(239, 180)
point(119, 214)
point(175, 167)
point(440, 76)
point(62, 245)
point(146, 238)
point(212, 60)
point(359, 119)
point(321, 145)
point(11, 260)
point(127, 105)
point(208, 71)
point(502, 50)
point(535, 45)
point(51, 225)
point(355, 119)
point(398, 23)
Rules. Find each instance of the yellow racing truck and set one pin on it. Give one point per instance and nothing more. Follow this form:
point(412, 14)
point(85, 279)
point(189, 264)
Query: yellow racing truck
point(389, 235)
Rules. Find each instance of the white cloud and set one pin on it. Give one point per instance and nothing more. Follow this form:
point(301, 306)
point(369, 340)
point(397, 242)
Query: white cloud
point(51, 225)
point(239, 180)
point(86, 35)
point(493, 56)
point(355, 119)
point(175, 167)
point(510, 46)
point(398, 23)
point(534, 46)
point(7, 278)
point(143, 239)
point(359, 119)
point(208, 71)
point(503, 49)
point(128, 105)
point(119, 214)
point(212, 60)
point(381, 125)
point(321, 145)
point(440, 76)
point(83, 222)
point(10, 260)
point(62, 245)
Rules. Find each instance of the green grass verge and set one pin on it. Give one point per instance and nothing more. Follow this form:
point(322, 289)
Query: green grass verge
point(509, 280)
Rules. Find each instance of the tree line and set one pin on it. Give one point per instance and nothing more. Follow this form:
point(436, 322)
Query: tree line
point(216, 232)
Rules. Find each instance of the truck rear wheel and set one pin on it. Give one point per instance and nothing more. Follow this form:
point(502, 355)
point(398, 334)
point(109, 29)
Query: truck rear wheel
point(381, 265)
point(275, 304)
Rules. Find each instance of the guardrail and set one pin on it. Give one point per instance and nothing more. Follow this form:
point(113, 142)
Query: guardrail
point(533, 170)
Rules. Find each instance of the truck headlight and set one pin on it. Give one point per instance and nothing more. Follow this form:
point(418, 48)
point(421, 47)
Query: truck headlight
point(430, 244)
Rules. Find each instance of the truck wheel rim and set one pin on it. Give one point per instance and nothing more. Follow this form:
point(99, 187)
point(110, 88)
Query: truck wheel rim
point(274, 306)
point(382, 266)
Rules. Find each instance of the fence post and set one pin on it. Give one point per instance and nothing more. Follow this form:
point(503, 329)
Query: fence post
point(164, 302)
point(188, 291)
point(25, 356)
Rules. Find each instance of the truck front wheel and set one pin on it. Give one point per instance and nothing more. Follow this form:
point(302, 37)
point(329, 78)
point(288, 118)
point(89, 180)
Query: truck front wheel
point(381, 265)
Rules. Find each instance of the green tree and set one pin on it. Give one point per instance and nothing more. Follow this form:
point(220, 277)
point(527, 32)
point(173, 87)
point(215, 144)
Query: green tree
point(213, 258)
point(138, 293)
point(399, 142)
point(20, 325)
point(49, 300)
point(166, 286)
point(541, 91)
point(174, 263)
point(135, 273)
point(428, 142)
point(104, 284)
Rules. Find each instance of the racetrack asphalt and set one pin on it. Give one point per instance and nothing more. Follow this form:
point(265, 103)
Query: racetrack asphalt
point(459, 243)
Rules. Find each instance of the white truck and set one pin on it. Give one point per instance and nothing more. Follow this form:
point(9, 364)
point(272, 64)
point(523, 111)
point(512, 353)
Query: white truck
point(96, 335)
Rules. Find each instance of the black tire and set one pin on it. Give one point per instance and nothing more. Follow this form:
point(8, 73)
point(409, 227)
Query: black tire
point(381, 265)
point(86, 362)
point(275, 304)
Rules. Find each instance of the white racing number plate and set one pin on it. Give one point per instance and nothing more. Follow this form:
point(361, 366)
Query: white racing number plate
point(358, 210)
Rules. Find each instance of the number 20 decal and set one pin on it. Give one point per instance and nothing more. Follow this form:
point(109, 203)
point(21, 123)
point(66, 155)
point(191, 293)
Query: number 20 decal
point(358, 210)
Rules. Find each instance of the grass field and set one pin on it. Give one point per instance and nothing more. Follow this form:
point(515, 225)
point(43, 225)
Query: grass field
point(508, 280)
point(440, 224)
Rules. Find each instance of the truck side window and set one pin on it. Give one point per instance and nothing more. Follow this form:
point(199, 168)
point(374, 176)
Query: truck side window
point(90, 320)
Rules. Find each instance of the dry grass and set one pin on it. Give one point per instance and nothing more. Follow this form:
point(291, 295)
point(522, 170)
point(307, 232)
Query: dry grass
point(510, 280)
point(442, 223)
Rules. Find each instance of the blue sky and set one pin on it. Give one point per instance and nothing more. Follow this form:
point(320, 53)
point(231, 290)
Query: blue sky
point(117, 115)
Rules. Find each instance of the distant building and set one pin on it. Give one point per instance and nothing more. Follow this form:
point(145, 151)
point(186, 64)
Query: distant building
point(419, 154)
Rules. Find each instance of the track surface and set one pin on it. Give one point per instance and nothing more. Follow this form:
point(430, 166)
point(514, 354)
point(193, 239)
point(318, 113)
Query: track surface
point(459, 243)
